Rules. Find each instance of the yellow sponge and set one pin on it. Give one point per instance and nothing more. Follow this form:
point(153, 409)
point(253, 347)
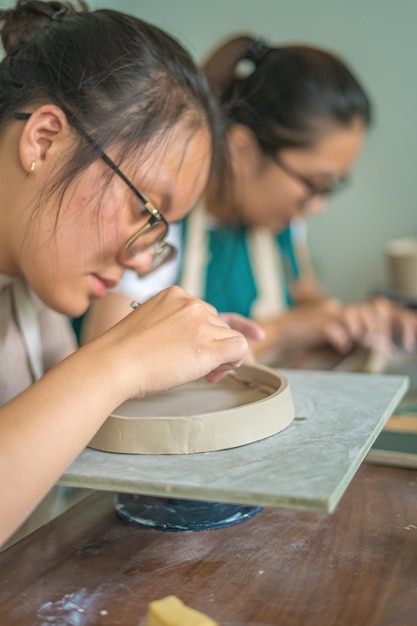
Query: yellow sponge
point(170, 611)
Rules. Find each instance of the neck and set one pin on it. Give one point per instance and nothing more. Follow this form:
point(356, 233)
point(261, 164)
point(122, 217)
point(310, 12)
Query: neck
point(222, 203)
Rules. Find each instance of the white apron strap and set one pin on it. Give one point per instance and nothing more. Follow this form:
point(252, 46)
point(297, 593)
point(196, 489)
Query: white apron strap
point(264, 257)
point(28, 324)
point(195, 253)
point(268, 274)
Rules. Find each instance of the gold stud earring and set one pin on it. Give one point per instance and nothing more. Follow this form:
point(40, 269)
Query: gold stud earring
point(32, 167)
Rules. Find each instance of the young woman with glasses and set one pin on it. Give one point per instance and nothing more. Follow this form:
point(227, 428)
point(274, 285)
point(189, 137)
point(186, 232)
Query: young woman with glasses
point(107, 133)
point(296, 119)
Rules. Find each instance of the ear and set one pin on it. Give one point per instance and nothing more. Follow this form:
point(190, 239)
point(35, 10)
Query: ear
point(43, 136)
point(244, 147)
point(241, 137)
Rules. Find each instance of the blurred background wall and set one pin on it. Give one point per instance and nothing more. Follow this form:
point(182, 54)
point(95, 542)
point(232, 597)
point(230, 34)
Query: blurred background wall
point(377, 38)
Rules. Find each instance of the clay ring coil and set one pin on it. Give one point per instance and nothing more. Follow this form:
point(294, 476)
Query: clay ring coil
point(233, 412)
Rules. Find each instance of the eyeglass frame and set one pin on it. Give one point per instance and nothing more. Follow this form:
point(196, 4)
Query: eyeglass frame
point(313, 190)
point(155, 215)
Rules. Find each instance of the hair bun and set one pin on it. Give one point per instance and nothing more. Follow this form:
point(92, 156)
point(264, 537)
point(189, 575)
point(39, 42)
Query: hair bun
point(21, 24)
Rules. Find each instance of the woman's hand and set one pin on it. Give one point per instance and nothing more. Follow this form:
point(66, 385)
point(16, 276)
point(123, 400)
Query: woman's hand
point(173, 339)
point(378, 324)
point(250, 329)
point(302, 327)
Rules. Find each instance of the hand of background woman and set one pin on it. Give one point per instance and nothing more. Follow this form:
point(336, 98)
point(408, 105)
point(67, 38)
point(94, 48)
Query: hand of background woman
point(303, 327)
point(378, 324)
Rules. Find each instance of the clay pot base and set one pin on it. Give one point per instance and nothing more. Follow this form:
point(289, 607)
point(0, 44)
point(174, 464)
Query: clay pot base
point(237, 411)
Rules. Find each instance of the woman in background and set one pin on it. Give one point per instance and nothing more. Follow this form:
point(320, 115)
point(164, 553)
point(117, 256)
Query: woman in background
point(296, 120)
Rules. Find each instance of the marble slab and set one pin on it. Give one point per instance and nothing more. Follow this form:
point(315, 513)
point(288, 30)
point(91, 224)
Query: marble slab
point(307, 466)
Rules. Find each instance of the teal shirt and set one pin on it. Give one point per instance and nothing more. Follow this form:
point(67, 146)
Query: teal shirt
point(229, 282)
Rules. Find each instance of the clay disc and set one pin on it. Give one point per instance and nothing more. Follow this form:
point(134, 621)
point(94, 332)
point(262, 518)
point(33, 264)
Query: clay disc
point(201, 416)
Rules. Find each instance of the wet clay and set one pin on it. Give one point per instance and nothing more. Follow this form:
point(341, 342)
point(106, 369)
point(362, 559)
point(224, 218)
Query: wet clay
point(201, 416)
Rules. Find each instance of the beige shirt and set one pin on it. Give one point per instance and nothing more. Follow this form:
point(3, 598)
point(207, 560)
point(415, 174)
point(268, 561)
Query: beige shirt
point(57, 340)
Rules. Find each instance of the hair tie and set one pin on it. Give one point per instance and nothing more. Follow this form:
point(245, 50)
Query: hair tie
point(256, 51)
point(58, 13)
point(248, 63)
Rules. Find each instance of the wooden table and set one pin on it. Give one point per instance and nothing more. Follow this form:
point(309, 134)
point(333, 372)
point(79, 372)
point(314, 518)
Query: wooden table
point(355, 567)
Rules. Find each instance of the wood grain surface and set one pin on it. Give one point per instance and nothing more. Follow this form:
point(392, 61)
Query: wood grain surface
point(355, 567)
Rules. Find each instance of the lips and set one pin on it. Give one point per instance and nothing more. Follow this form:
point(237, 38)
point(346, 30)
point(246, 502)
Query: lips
point(110, 283)
point(101, 285)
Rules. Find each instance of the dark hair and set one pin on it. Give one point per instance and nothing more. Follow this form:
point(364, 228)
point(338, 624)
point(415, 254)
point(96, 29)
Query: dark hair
point(288, 95)
point(126, 82)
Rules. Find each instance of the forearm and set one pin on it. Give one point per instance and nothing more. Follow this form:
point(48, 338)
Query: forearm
point(280, 335)
point(307, 290)
point(302, 326)
point(43, 429)
point(46, 427)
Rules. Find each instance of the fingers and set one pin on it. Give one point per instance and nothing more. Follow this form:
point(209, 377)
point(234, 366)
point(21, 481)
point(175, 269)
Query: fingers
point(378, 324)
point(404, 323)
point(246, 326)
point(369, 325)
point(174, 338)
point(250, 329)
point(220, 372)
point(408, 334)
point(338, 336)
point(366, 325)
point(367, 318)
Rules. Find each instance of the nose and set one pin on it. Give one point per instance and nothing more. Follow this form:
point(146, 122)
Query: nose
point(141, 264)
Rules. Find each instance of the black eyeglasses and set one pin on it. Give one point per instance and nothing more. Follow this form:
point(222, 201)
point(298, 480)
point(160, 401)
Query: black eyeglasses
point(152, 235)
point(334, 184)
